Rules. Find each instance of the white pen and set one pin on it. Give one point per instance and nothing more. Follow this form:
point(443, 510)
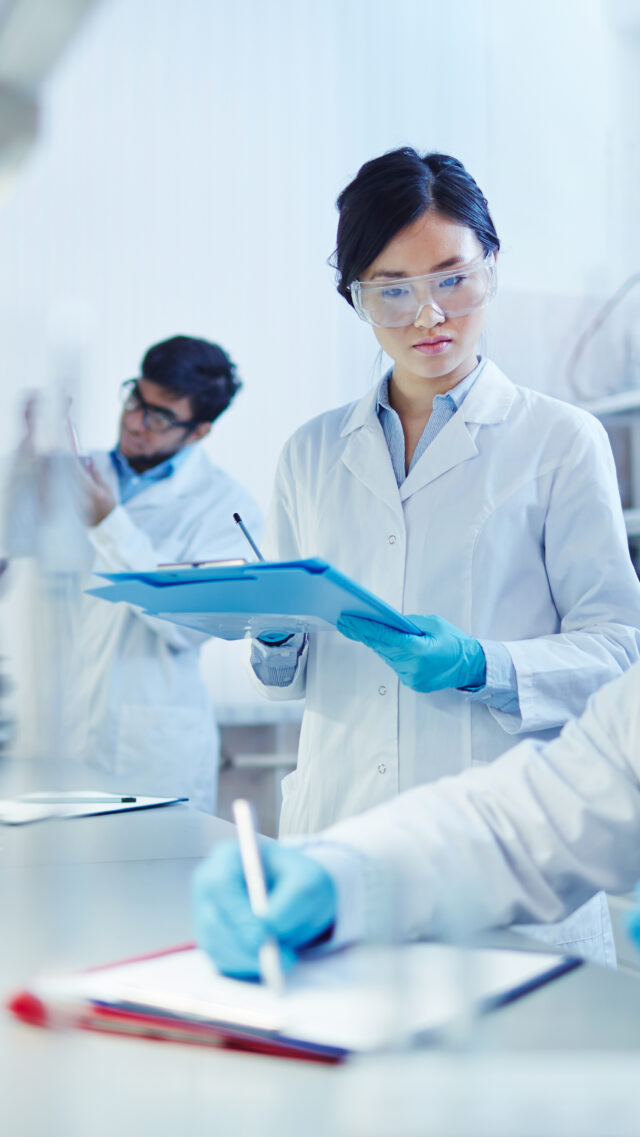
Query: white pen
point(84, 459)
point(269, 953)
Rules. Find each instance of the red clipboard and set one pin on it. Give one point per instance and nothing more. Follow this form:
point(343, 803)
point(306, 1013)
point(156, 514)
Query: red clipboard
point(30, 1007)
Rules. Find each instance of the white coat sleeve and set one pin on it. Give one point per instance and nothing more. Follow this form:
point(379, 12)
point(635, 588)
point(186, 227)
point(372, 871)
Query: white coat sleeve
point(527, 839)
point(123, 547)
point(594, 588)
point(282, 542)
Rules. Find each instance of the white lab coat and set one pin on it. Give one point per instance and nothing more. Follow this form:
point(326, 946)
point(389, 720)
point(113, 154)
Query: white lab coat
point(139, 708)
point(547, 826)
point(510, 527)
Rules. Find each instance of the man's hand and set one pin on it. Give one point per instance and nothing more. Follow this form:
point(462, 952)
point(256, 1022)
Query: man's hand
point(96, 499)
point(302, 905)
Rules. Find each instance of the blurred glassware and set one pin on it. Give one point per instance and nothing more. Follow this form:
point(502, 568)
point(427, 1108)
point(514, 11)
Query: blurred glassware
point(606, 357)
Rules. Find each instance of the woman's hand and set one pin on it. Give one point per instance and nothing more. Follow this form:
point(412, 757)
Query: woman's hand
point(442, 656)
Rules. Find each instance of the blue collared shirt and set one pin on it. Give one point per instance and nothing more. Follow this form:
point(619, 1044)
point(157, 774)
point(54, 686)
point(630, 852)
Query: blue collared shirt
point(131, 483)
point(444, 408)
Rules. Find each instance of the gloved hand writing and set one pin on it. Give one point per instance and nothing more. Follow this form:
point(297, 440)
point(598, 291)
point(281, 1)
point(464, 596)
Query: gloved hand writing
point(442, 657)
point(302, 905)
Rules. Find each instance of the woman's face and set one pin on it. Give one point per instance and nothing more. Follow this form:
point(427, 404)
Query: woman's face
point(436, 348)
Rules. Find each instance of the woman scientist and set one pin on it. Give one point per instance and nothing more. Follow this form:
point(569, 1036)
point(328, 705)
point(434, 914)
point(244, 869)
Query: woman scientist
point(491, 510)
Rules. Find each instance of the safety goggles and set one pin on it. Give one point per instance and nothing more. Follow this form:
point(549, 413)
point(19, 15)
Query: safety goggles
point(397, 303)
point(156, 419)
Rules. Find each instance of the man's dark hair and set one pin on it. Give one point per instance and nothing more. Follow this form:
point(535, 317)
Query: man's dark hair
point(196, 368)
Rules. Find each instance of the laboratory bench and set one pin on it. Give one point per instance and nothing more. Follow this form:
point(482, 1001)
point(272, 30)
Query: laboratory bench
point(85, 891)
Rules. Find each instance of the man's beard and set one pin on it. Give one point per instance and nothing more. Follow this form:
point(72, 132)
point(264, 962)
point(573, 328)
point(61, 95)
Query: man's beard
point(143, 462)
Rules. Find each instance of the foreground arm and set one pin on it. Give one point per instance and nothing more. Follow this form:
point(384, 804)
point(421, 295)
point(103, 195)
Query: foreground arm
point(527, 839)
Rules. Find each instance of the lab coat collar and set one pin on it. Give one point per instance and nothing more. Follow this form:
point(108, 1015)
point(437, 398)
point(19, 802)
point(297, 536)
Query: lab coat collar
point(488, 401)
point(490, 398)
point(361, 413)
point(366, 453)
point(195, 469)
point(367, 456)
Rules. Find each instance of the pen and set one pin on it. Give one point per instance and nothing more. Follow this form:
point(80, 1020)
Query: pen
point(83, 459)
point(73, 436)
point(65, 799)
point(269, 953)
point(238, 520)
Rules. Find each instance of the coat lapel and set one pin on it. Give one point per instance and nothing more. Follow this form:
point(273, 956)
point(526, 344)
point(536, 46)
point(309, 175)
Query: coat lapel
point(366, 453)
point(488, 402)
point(180, 484)
point(185, 481)
point(454, 444)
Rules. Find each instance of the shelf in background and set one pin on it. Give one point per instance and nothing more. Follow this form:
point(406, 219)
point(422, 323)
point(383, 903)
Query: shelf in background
point(632, 522)
point(624, 403)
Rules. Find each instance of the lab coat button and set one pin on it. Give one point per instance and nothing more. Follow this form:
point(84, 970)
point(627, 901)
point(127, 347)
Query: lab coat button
point(382, 769)
point(382, 690)
point(392, 538)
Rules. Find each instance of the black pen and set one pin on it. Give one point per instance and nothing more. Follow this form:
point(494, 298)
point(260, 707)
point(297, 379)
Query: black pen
point(70, 799)
point(239, 522)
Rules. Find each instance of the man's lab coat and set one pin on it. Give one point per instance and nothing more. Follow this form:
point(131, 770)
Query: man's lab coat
point(138, 707)
point(528, 838)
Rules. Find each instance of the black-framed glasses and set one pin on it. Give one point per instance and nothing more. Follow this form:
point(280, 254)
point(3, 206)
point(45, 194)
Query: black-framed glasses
point(154, 418)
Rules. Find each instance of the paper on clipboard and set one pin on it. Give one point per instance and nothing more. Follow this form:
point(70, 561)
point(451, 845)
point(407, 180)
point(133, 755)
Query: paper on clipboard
point(248, 599)
point(333, 1005)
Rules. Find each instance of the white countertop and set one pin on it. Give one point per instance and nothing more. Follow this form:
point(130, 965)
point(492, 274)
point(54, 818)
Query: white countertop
point(87, 891)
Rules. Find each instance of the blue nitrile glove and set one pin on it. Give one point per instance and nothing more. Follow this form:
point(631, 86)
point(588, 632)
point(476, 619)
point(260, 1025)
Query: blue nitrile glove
point(632, 920)
point(442, 657)
point(302, 906)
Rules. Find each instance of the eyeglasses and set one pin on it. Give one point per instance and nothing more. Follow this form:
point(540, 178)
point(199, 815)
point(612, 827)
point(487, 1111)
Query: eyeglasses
point(397, 303)
point(154, 418)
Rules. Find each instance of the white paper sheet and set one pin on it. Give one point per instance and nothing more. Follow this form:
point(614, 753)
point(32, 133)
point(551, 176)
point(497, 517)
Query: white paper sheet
point(354, 1000)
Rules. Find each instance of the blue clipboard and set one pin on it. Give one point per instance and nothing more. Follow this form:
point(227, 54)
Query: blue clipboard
point(232, 601)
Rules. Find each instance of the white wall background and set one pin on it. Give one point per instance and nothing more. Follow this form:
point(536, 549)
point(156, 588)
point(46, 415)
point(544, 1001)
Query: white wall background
point(192, 151)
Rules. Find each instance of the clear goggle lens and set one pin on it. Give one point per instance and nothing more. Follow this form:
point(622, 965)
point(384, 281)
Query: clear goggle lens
point(397, 303)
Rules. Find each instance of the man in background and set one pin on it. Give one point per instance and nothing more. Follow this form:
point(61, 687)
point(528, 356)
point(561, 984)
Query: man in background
point(136, 705)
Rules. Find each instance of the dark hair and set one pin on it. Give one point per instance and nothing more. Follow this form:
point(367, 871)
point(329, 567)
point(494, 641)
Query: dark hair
point(393, 191)
point(196, 368)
